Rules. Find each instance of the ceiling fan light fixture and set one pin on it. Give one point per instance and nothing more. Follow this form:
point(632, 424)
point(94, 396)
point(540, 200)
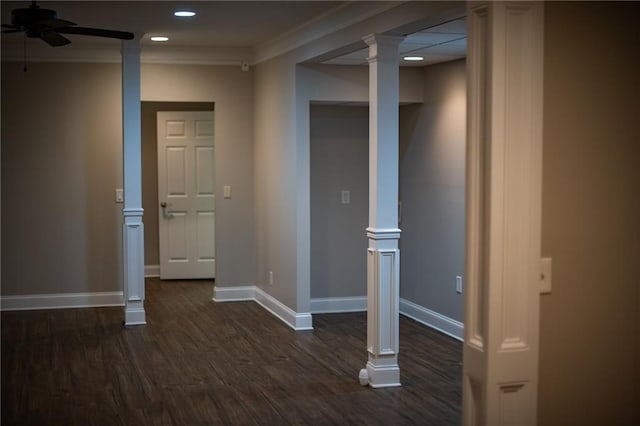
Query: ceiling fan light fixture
point(184, 13)
point(159, 38)
point(413, 58)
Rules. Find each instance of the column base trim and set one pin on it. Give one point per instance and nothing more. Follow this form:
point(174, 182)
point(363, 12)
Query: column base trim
point(135, 316)
point(383, 377)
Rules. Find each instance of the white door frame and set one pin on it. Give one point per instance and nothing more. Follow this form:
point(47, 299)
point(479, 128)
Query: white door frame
point(199, 200)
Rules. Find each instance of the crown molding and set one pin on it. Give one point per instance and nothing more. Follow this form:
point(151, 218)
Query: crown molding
point(111, 53)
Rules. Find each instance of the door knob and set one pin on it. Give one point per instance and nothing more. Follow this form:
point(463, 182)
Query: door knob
point(166, 214)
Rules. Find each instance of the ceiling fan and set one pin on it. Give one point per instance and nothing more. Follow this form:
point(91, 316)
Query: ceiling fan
point(44, 24)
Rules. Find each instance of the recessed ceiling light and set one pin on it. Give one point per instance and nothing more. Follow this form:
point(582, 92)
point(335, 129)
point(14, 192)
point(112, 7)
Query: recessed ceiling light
point(159, 38)
point(413, 58)
point(184, 13)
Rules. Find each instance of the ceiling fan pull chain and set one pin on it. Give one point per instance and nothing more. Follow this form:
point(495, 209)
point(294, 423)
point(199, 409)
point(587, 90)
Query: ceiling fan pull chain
point(24, 53)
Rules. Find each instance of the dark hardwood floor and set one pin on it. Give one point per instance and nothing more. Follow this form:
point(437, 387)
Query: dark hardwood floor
point(201, 362)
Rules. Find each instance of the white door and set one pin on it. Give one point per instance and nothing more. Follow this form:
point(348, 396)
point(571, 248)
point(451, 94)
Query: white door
point(186, 193)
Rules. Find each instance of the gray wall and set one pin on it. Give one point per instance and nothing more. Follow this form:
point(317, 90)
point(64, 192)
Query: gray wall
point(432, 187)
point(339, 161)
point(432, 174)
point(283, 92)
point(590, 323)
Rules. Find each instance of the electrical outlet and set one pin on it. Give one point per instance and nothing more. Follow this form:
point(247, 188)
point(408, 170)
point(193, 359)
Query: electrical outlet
point(270, 277)
point(459, 284)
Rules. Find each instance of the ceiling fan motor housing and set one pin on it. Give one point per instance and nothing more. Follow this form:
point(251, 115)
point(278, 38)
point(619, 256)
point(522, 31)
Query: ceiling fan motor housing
point(33, 19)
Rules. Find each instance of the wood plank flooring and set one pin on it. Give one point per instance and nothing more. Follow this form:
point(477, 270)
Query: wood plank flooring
point(201, 362)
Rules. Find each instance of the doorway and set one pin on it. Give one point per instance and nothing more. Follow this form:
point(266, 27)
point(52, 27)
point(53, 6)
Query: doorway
point(150, 200)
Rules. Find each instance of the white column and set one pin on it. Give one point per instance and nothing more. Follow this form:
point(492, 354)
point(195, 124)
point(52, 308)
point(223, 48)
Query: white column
point(133, 229)
point(383, 256)
point(504, 178)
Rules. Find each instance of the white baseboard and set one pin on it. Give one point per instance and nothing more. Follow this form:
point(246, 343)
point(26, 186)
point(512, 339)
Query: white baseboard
point(151, 271)
point(287, 315)
point(433, 319)
point(328, 305)
point(62, 301)
point(234, 294)
point(297, 321)
point(409, 309)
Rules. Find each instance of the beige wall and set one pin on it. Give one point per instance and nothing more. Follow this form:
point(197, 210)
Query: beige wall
point(61, 162)
point(230, 89)
point(275, 179)
point(590, 324)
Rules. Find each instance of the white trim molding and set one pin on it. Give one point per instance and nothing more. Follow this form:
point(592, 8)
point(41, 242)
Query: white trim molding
point(330, 305)
point(505, 66)
point(151, 271)
point(133, 228)
point(62, 301)
point(234, 294)
point(295, 320)
point(432, 319)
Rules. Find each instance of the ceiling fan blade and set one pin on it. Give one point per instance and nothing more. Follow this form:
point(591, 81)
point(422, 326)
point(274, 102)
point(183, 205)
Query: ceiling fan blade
point(54, 39)
point(10, 26)
point(55, 23)
point(96, 32)
point(12, 31)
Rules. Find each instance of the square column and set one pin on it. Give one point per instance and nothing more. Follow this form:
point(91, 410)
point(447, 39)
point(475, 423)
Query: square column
point(503, 212)
point(383, 255)
point(133, 229)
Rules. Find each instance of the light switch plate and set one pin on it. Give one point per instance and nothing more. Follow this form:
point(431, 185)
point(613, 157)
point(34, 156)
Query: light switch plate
point(545, 275)
point(119, 195)
point(227, 191)
point(345, 196)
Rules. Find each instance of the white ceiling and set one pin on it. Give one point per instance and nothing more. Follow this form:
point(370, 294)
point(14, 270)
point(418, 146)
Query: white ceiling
point(441, 43)
point(225, 26)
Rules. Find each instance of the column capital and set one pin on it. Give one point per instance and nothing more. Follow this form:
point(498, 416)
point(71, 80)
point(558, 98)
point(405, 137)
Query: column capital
point(382, 39)
point(382, 46)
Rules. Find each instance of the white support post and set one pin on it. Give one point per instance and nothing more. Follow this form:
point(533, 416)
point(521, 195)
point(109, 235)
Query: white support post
point(133, 229)
point(504, 179)
point(383, 256)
